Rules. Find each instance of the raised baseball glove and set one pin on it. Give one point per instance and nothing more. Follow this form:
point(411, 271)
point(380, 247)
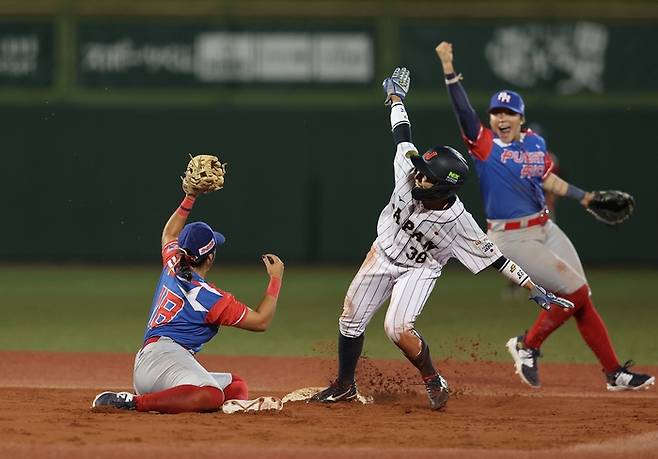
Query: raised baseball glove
point(205, 173)
point(611, 206)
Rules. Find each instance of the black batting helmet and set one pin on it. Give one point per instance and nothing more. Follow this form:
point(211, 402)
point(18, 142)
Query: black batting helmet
point(445, 167)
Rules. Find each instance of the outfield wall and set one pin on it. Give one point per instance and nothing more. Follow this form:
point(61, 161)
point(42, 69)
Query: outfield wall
point(98, 183)
point(101, 102)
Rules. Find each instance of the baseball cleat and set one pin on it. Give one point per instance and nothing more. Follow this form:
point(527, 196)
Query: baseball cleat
point(259, 404)
point(437, 392)
point(336, 393)
point(118, 400)
point(525, 361)
point(622, 379)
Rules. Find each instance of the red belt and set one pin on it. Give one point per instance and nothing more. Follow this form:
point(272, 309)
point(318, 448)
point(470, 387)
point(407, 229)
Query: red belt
point(541, 219)
point(152, 339)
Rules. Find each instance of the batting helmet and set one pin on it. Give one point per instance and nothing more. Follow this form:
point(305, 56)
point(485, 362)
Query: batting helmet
point(445, 167)
point(509, 100)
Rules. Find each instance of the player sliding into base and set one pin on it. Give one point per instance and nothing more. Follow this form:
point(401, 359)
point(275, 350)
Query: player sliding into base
point(420, 229)
point(187, 311)
point(515, 173)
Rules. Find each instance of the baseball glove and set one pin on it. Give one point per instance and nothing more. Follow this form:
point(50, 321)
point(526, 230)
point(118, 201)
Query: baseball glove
point(611, 206)
point(205, 173)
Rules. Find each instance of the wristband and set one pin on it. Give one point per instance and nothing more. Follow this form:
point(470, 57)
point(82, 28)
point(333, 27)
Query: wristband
point(574, 192)
point(273, 287)
point(398, 115)
point(513, 272)
point(185, 206)
point(453, 78)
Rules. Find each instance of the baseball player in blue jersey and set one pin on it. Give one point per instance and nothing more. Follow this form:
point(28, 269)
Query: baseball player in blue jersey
point(187, 311)
point(515, 172)
point(422, 226)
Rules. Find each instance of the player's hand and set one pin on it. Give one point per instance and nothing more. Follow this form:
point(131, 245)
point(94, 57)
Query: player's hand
point(444, 51)
point(397, 84)
point(273, 264)
point(544, 299)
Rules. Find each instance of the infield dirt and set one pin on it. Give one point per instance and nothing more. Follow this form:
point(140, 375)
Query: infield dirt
point(45, 399)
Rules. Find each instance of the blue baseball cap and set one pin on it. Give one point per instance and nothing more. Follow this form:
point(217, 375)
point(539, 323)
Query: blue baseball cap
point(198, 239)
point(509, 100)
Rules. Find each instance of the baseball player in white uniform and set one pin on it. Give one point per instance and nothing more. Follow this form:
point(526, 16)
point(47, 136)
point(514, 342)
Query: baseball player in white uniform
point(420, 229)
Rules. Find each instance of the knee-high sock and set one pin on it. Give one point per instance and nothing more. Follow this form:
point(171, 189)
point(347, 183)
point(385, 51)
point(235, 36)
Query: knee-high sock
point(349, 351)
point(595, 334)
point(423, 361)
point(182, 399)
point(237, 390)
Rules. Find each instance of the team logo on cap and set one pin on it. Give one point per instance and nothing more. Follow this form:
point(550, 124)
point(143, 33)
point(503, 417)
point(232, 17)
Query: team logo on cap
point(504, 97)
point(430, 154)
point(207, 248)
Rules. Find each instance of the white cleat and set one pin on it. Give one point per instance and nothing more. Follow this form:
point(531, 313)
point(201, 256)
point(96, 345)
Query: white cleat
point(259, 404)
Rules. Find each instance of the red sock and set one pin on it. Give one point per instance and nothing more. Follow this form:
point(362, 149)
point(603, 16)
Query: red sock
point(237, 390)
point(182, 399)
point(595, 334)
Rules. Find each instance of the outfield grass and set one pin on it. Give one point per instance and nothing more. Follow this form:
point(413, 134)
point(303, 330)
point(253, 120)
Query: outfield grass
point(103, 309)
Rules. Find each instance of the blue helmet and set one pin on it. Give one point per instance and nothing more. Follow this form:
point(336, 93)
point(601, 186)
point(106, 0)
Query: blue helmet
point(509, 100)
point(199, 240)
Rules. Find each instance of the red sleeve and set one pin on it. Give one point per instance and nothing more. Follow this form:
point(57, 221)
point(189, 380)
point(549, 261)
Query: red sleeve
point(227, 311)
point(482, 146)
point(548, 165)
point(169, 254)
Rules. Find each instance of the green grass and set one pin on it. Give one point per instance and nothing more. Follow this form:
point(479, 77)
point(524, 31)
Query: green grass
point(101, 309)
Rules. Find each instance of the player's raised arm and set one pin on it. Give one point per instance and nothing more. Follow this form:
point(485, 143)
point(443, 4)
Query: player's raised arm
point(204, 173)
point(396, 88)
point(468, 120)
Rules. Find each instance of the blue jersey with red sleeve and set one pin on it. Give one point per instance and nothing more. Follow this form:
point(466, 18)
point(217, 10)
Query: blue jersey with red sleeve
point(511, 175)
point(190, 313)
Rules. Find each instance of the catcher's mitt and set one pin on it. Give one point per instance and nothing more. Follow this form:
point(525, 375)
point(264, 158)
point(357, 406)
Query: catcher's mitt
point(611, 207)
point(205, 173)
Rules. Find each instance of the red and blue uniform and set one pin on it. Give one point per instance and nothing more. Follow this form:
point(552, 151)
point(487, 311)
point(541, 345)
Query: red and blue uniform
point(511, 175)
point(190, 313)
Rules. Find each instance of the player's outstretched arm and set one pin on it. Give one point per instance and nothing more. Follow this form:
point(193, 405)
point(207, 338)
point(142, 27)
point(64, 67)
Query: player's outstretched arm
point(554, 184)
point(260, 319)
point(468, 120)
point(538, 294)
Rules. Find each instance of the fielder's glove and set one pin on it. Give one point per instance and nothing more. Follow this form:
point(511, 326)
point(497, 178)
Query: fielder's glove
point(544, 299)
point(205, 173)
point(611, 207)
point(397, 84)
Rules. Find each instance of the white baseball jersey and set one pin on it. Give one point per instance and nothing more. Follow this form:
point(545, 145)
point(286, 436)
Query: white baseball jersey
point(412, 246)
point(412, 235)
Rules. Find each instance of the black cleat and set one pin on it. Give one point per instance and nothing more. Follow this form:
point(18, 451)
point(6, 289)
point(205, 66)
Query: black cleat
point(525, 361)
point(437, 392)
point(336, 393)
point(622, 379)
point(119, 400)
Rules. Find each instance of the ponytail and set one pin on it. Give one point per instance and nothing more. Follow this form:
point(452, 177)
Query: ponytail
point(186, 263)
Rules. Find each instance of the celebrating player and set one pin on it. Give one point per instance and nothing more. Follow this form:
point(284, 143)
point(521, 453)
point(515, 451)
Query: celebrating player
point(187, 312)
point(515, 173)
point(420, 229)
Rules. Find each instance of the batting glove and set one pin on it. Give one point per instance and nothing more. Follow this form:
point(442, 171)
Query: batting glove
point(397, 84)
point(544, 299)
